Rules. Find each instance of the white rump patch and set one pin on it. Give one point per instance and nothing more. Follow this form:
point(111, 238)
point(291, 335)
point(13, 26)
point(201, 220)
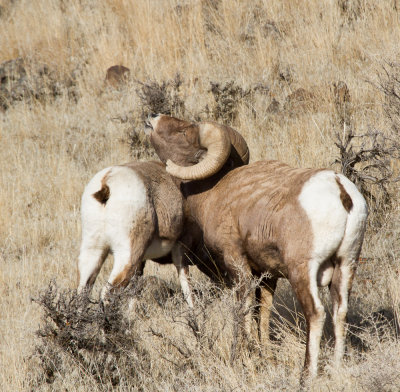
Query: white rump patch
point(128, 197)
point(320, 199)
point(334, 232)
point(355, 224)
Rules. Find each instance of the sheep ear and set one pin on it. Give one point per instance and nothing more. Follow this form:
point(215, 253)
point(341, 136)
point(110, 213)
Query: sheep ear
point(217, 142)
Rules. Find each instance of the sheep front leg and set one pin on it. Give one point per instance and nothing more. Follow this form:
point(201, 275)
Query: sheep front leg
point(239, 270)
point(264, 297)
point(183, 273)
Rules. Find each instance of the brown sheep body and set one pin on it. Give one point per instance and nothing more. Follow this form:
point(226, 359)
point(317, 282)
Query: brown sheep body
point(306, 225)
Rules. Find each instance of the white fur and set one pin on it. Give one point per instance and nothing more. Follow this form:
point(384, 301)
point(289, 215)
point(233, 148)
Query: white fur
point(348, 252)
point(320, 198)
point(316, 328)
point(129, 197)
point(94, 242)
point(183, 273)
point(154, 121)
point(356, 221)
point(335, 232)
point(108, 227)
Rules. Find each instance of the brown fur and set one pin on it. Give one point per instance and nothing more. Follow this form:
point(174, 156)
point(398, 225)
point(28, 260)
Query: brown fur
point(344, 197)
point(252, 222)
point(103, 194)
point(165, 197)
point(257, 213)
point(184, 136)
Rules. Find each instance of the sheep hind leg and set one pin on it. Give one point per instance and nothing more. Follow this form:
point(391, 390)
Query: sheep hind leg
point(128, 262)
point(91, 259)
point(340, 290)
point(306, 290)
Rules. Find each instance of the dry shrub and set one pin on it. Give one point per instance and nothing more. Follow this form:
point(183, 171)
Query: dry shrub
point(147, 339)
point(147, 336)
point(28, 80)
point(228, 97)
point(162, 97)
point(368, 159)
point(209, 9)
point(80, 334)
point(351, 10)
point(368, 163)
point(389, 84)
point(139, 145)
point(154, 97)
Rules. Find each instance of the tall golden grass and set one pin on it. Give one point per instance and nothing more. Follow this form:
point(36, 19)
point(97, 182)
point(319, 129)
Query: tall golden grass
point(49, 150)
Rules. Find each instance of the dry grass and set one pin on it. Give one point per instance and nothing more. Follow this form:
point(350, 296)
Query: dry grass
point(263, 50)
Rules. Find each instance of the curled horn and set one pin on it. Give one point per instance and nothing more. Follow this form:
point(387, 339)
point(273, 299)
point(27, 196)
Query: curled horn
point(240, 145)
point(216, 139)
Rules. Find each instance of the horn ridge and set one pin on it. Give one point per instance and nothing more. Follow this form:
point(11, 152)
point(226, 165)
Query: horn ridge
point(216, 140)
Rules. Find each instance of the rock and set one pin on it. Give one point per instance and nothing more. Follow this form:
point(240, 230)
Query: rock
point(117, 75)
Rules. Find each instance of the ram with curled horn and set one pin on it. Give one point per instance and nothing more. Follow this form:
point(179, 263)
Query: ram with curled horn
point(135, 211)
point(306, 225)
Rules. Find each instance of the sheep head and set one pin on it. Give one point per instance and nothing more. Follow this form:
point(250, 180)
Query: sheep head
point(193, 151)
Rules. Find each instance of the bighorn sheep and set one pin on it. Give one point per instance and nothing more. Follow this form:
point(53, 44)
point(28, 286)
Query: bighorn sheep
point(306, 225)
point(135, 211)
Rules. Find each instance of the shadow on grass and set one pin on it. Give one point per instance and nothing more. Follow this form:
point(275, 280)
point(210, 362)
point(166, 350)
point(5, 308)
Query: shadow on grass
point(287, 315)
